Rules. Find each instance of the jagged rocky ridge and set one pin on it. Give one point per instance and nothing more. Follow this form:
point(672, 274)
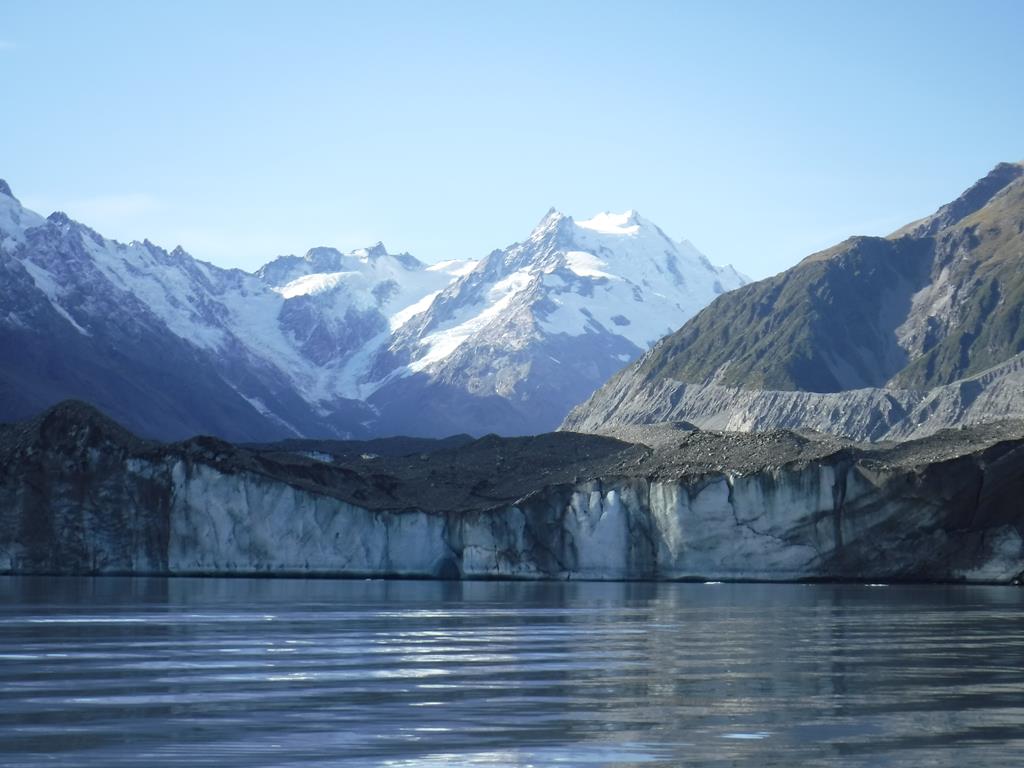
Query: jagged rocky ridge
point(79, 494)
point(876, 338)
point(333, 344)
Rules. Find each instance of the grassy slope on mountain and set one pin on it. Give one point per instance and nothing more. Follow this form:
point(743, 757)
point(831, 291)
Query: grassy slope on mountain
point(830, 323)
point(809, 328)
point(984, 254)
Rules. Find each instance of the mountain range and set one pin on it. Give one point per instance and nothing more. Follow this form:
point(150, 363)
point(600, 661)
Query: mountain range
point(874, 338)
point(332, 344)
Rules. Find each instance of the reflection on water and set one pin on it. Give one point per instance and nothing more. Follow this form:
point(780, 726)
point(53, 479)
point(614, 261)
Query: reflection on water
point(237, 672)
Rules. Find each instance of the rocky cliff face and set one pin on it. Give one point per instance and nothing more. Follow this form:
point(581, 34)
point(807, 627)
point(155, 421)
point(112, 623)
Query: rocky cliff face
point(80, 495)
point(874, 338)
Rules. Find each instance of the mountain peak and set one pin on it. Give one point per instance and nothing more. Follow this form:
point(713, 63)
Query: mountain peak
point(375, 251)
point(549, 222)
point(553, 214)
point(5, 189)
point(976, 197)
point(322, 252)
point(60, 218)
point(607, 223)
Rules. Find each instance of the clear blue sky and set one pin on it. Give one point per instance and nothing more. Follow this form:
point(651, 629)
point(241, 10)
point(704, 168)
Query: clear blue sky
point(761, 131)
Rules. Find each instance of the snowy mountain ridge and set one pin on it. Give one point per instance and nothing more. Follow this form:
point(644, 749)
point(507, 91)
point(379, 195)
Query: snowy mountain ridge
point(621, 256)
point(365, 342)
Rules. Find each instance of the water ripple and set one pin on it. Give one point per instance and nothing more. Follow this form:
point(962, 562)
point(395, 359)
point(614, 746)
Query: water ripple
point(155, 672)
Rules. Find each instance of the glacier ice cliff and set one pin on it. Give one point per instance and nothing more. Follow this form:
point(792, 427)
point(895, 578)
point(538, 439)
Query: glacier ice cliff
point(78, 494)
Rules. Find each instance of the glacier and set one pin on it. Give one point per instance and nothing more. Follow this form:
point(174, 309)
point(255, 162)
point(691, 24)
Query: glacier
point(80, 495)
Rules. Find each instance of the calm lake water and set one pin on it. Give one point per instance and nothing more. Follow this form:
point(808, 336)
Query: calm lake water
point(239, 672)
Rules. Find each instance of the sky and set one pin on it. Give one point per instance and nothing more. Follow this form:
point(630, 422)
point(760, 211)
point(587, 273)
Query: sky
point(761, 132)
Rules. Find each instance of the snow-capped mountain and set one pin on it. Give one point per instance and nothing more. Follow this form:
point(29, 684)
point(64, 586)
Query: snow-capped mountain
point(535, 328)
point(339, 309)
point(331, 343)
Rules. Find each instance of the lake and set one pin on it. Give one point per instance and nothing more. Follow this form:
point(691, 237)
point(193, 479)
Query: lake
point(249, 672)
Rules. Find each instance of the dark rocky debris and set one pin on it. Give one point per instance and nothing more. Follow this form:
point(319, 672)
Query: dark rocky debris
point(462, 474)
